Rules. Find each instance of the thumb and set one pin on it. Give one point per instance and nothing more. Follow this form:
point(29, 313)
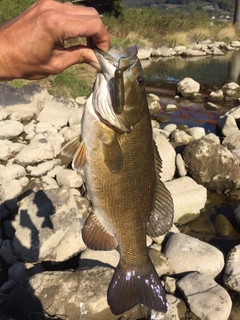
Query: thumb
point(79, 54)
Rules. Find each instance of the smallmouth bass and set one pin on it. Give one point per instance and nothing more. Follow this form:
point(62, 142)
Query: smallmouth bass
point(121, 167)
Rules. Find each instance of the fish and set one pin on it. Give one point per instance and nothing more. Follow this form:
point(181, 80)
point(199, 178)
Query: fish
point(122, 167)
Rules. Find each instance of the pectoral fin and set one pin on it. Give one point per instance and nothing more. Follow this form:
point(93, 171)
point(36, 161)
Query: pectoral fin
point(161, 218)
point(113, 157)
point(75, 149)
point(96, 236)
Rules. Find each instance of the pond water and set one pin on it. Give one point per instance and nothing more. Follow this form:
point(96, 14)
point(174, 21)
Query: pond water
point(211, 71)
point(162, 75)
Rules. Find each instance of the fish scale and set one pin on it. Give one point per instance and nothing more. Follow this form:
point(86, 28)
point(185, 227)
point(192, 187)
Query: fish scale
point(121, 167)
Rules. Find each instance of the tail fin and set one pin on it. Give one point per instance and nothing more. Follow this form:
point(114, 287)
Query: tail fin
point(129, 288)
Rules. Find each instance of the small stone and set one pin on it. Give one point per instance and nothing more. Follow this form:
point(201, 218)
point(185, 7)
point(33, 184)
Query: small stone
point(7, 252)
point(69, 178)
point(170, 284)
point(171, 107)
point(10, 129)
point(232, 270)
point(223, 226)
point(181, 167)
point(43, 168)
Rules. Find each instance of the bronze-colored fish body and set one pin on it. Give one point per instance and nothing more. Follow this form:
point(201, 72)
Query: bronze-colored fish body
point(121, 168)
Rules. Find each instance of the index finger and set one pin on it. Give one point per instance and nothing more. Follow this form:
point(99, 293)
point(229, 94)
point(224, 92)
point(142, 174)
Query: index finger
point(88, 26)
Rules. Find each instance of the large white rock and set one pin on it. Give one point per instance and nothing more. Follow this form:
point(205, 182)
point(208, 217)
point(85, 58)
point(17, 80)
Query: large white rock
point(12, 171)
point(188, 198)
point(36, 152)
point(10, 129)
point(10, 189)
point(55, 112)
point(167, 154)
point(232, 269)
point(187, 254)
point(43, 168)
point(144, 53)
point(205, 297)
point(188, 86)
point(48, 226)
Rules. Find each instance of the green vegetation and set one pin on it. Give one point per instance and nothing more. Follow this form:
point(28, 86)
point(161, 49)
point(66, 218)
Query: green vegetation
point(143, 27)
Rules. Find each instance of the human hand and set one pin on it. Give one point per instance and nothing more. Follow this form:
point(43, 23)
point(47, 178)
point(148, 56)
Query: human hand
point(32, 44)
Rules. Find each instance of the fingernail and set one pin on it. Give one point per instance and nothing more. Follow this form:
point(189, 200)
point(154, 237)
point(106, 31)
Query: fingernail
point(96, 66)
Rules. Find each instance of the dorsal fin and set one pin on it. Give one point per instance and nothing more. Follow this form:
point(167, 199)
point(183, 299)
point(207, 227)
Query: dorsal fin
point(161, 218)
point(96, 236)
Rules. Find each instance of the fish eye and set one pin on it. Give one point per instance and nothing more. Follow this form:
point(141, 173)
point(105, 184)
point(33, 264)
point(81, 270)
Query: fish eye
point(140, 81)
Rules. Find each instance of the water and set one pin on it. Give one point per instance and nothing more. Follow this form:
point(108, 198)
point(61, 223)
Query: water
point(161, 77)
point(212, 71)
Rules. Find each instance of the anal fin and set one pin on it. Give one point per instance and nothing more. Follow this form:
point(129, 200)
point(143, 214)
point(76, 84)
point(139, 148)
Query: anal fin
point(96, 236)
point(161, 218)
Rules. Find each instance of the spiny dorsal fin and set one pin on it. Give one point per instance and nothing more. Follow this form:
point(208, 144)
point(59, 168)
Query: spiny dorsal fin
point(113, 157)
point(96, 236)
point(161, 218)
point(76, 150)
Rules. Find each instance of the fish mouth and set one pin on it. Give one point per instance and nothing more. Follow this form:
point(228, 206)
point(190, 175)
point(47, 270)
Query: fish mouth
point(108, 92)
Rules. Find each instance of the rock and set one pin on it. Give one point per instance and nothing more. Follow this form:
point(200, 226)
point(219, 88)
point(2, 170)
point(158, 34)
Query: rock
point(8, 149)
point(231, 276)
point(171, 107)
point(163, 52)
point(227, 125)
point(81, 100)
point(23, 103)
point(196, 132)
point(179, 49)
point(159, 240)
point(7, 286)
point(187, 87)
point(205, 297)
point(17, 272)
point(237, 214)
point(76, 117)
point(48, 226)
point(167, 154)
point(181, 167)
point(35, 152)
point(43, 168)
point(232, 141)
point(3, 114)
point(10, 189)
point(181, 136)
point(69, 178)
point(223, 226)
point(193, 53)
point(10, 172)
point(235, 44)
point(49, 183)
point(170, 284)
point(55, 112)
point(212, 165)
point(93, 258)
point(10, 129)
point(216, 95)
point(153, 103)
point(144, 53)
point(217, 52)
point(188, 198)
point(187, 254)
point(45, 126)
point(176, 309)
point(7, 252)
point(170, 127)
point(87, 294)
point(231, 90)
